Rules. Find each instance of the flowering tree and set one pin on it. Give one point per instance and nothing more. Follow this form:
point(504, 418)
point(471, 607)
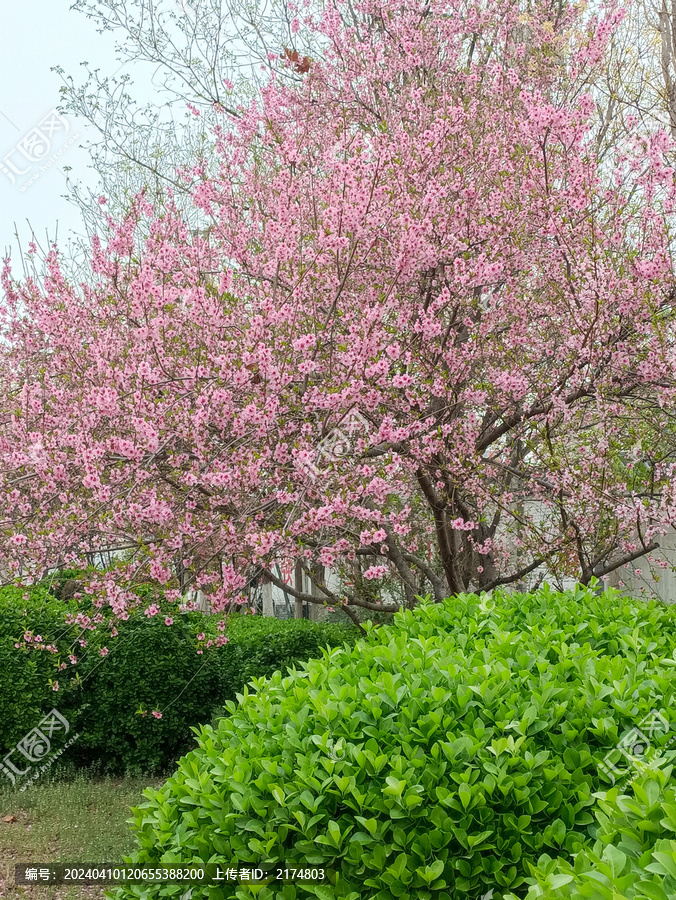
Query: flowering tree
point(427, 339)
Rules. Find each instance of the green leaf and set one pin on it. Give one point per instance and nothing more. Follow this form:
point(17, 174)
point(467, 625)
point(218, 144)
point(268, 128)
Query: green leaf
point(335, 833)
point(465, 794)
point(616, 858)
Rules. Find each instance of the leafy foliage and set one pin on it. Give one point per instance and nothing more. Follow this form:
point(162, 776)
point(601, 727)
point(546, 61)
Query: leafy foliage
point(155, 667)
point(149, 667)
point(25, 689)
point(437, 758)
point(634, 856)
point(260, 646)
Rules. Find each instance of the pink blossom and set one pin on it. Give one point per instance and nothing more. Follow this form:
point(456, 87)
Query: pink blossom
point(386, 277)
point(375, 572)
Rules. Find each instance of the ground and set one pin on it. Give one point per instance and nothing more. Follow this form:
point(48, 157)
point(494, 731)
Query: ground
point(79, 820)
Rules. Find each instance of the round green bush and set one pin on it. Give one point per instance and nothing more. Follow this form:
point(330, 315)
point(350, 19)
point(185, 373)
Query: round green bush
point(437, 758)
point(633, 856)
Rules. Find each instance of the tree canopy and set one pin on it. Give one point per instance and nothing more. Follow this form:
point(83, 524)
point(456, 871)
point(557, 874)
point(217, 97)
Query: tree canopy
point(424, 324)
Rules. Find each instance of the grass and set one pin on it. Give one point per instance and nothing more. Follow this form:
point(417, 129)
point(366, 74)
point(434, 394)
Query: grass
point(79, 819)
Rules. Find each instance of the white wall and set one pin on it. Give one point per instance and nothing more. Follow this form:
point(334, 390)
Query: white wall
point(652, 580)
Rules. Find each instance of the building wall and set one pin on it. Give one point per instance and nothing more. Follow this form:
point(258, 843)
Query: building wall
point(644, 578)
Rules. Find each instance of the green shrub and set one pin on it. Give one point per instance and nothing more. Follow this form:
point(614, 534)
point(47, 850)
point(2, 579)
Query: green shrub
point(634, 856)
point(149, 667)
point(155, 667)
point(26, 676)
point(260, 646)
point(437, 758)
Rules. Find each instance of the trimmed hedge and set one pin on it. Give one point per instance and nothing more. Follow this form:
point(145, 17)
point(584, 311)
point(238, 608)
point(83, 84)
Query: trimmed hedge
point(260, 646)
point(634, 856)
point(155, 667)
point(25, 689)
point(436, 759)
point(149, 666)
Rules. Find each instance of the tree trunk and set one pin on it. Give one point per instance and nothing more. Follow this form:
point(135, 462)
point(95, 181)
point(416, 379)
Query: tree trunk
point(268, 606)
point(299, 588)
point(317, 612)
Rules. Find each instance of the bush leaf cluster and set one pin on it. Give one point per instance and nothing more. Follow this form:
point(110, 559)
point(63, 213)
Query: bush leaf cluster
point(150, 666)
point(438, 758)
point(634, 855)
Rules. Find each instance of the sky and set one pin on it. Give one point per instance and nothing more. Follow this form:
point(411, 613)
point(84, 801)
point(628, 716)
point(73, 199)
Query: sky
point(35, 142)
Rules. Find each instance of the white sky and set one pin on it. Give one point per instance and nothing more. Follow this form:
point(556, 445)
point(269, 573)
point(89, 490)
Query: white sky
point(35, 35)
